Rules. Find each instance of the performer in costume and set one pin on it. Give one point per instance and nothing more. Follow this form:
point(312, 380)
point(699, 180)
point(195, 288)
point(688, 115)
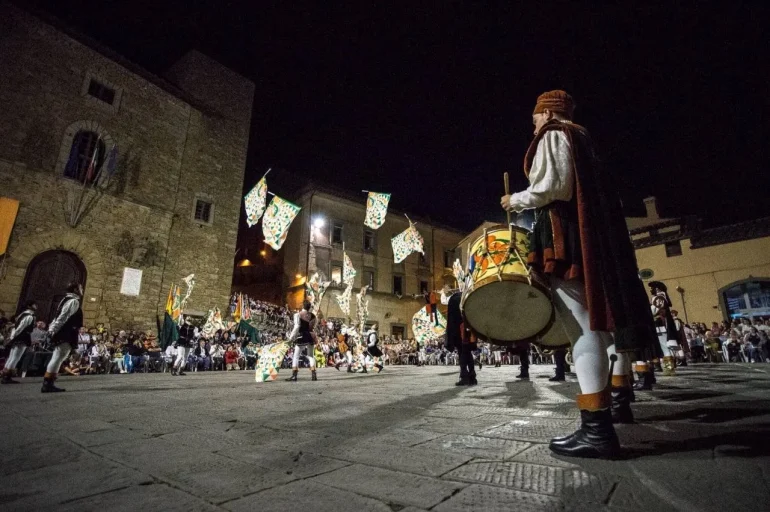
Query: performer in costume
point(668, 334)
point(185, 344)
point(372, 349)
point(560, 358)
point(684, 345)
point(20, 339)
point(343, 339)
point(580, 243)
point(304, 339)
point(63, 332)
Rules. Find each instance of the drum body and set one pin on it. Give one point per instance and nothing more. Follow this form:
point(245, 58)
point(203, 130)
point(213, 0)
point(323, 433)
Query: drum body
point(501, 304)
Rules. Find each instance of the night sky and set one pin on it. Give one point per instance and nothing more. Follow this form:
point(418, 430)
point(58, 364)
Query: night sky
point(434, 105)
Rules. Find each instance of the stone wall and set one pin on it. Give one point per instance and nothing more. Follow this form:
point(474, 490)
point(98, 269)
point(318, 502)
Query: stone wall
point(172, 147)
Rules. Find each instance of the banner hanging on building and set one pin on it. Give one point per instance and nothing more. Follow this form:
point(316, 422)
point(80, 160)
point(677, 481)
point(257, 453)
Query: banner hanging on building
point(255, 202)
point(376, 209)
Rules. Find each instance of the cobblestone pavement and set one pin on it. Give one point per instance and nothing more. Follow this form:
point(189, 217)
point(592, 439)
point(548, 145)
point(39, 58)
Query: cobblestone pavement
point(405, 440)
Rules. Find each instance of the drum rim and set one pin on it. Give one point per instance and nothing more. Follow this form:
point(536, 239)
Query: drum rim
point(522, 279)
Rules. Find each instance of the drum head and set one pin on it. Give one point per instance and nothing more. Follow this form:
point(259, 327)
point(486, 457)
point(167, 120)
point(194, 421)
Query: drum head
point(508, 310)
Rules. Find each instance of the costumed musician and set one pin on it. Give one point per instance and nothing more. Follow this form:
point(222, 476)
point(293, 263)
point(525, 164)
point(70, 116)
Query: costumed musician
point(372, 348)
point(665, 325)
point(185, 344)
point(580, 243)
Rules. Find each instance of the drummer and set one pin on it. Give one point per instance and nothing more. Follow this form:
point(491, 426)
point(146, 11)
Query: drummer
point(581, 243)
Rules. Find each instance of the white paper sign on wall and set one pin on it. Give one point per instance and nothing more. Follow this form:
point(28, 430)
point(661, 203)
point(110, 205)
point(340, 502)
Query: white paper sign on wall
point(132, 282)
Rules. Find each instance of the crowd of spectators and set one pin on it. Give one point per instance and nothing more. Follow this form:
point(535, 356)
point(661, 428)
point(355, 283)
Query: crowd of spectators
point(740, 340)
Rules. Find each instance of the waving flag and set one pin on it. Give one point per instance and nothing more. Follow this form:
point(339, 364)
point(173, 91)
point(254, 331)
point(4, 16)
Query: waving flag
point(363, 309)
point(315, 289)
point(238, 308)
point(344, 300)
point(255, 202)
point(278, 217)
point(376, 209)
point(269, 361)
point(407, 242)
point(426, 329)
point(348, 272)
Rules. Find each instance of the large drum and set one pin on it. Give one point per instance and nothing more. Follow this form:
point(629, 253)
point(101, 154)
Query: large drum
point(501, 304)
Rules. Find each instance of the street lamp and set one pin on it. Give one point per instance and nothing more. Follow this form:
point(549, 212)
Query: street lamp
point(319, 222)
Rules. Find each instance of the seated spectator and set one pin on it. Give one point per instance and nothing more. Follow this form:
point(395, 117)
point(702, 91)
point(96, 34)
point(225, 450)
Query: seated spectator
point(84, 340)
point(72, 365)
point(117, 355)
point(250, 352)
point(733, 347)
point(202, 358)
point(751, 344)
point(217, 354)
point(231, 358)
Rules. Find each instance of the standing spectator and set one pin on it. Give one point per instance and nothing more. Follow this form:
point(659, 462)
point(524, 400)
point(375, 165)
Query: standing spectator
point(751, 343)
point(136, 350)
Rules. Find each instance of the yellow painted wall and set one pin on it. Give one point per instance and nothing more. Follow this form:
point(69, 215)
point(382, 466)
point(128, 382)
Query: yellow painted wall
point(703, 272)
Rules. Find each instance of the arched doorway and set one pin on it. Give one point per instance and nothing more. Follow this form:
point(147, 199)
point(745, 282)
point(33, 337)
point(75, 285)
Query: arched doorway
point(46, 280)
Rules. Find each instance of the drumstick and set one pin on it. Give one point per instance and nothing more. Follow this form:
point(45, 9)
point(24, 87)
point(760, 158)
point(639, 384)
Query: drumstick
point(613, 358)
point(507, 192)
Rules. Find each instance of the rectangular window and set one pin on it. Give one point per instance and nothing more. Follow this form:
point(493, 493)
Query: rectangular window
point(337, 273)
point(398, 331)
point(368, 279)
point(398, 285)
point(424, 287)
point(203, 210)
point(673, 249)
point(449, 256)
point(337, 233)
point(368, 240)
point(101, 92)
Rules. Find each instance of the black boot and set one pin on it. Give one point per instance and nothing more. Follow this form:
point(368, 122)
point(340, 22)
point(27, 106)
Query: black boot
point(595, 438)
point(379, 368)
point(473, 381)
point(350, 369)
point(524, 373)
point(363, 369)
point(557, 378)
point(464, 381)
point(645, 381)
point(479, 363)
point(658, 367)
point(337, 366)
point(313, 376)
point(8, 380)
point(293, 377)
point(48, 386)
point(621, 405)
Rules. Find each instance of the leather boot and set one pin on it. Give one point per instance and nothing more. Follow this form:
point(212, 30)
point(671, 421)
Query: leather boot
point(523, 373)
point(621, 399)
point(669, 366)
point(350, 369)
point(313, 375)
point(379, 368)
point(656, 365)
point(646, 377)
point(7, 378)
point(596, 436)
point(48, 386)
point(293, 377)
point(473, 381)
point(464, 381)
point(337, 366)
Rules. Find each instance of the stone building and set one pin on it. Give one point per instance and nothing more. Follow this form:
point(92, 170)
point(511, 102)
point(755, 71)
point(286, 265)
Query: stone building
point(711, 274)
point(330, 218)
point(173, 147)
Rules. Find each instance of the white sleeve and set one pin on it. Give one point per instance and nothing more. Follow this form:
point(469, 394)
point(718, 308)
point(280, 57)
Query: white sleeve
point(295, 331)
point(25, 322)
point(551, 177)
point(444, 298)
point(67, 311)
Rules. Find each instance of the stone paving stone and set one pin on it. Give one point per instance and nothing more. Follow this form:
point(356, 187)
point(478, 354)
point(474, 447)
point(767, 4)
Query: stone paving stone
point(484, 498)
point(478, 447)
point(541, 454)
point(418, 460)
point(103, 437)
point(298, 465)
point(390, 486)
point(84, 425)
point(453, 426)
point(151, 426)
point(306, 495)
point(42, 488)
point(25, 457)
point(144, 497)
point(535, 430)
point(502, 411)
point(631, 496)
point(534, 478)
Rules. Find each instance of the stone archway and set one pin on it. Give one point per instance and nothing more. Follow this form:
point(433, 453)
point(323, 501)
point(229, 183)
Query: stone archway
point(80, 246)
point(48, 275)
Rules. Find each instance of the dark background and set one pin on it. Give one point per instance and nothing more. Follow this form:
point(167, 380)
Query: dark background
point(434, 105)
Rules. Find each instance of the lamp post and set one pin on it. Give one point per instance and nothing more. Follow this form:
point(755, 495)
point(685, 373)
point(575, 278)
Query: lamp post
point(684, 304)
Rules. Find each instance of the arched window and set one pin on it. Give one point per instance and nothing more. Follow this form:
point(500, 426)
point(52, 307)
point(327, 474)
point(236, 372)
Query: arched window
point(86, 157)
point(748, 298)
